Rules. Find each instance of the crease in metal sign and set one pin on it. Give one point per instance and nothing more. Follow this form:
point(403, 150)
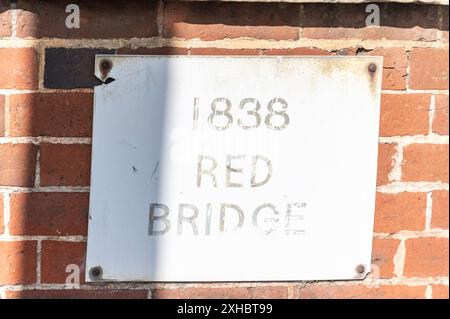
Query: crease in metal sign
point(233, 168)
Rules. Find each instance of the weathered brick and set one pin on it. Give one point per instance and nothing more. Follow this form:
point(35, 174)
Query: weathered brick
point(214, 21)
point(5, 20)
point(56, 256)
point(18, 262)
point(79, 294)
point(49, 214)
point(404, 114)
point(71, 68)
point(222, 51)
point(271, 292)
point(428, 68)
point(386, 153)
point(440, 120)
point(296, 51)
point(358, 291)
point(372, 33)
point(17, 164)
point(439, 291)
point(426, 257)
point(65, 164)
point(51, 114)
point(399, 22)
point(18, 68)
point(402, 211)
point(383, 252)
point(2, 115)
point(98, 20)
point(425, 162)
point(395, 63)
point(154, 51)
point(439, 218)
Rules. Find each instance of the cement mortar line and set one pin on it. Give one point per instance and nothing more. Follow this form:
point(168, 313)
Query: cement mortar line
point(402, 235)
point(91, 90)
point(45, 139)
point(428, 292)
point(45, 189)
point(399, 259)
point(415, 139)
point(393, 188)
point(372, 283)
point(395, 175)
point(47, 91)
point(235, 43)
point(406, 234)
point(38, 260)
point(40, 238)
point(403, 140)
point(414, 187)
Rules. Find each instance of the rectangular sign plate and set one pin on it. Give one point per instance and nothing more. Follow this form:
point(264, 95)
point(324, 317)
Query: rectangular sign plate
point(233, 168)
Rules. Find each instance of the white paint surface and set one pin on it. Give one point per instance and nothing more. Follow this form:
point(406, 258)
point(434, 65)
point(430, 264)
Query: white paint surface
point(146, 146)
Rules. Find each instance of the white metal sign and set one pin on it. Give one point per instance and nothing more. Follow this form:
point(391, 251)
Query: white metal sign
point(233, 168)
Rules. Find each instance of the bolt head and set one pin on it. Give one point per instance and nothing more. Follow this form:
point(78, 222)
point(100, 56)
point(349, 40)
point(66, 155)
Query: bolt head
point(360, 269)
point(96, 272)
point(105, 65)
point(372, 67)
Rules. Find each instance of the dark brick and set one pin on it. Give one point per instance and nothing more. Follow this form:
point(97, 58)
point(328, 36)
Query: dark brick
point(98, 19)
point(71, 68)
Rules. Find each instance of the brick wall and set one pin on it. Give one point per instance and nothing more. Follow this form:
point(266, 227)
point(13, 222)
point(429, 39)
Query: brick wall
point(46, 93)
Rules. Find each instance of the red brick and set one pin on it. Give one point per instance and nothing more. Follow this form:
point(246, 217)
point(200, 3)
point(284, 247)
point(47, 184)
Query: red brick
point(65, 165)
point(426, 257)
point(49, 214)
point(440, 291)
point(402, 211)
point(271, 292)
point(5, 20)
point(1, 214)
point(439, 217)
point(111, 19)
point(331, 291)
point(428, 68)
point(154, 51)
point(386, 153)
point(78, 294)
point(404, 114)
point(440, 121)
point(425, 162)
point(383, 252)
point(370, 33)
point(215, 21)
point(2, 115)
point(17, 165)
point(56, 256)
point(221, 51)
point(395, 63)
point(51, 114)
point(18, 68)
point(18, 262)
point(296, 51)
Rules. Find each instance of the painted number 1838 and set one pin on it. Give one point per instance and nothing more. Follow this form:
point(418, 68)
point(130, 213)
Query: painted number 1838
point(221, 117)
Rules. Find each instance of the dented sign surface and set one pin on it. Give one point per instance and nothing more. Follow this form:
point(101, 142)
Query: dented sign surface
point(233, 168)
